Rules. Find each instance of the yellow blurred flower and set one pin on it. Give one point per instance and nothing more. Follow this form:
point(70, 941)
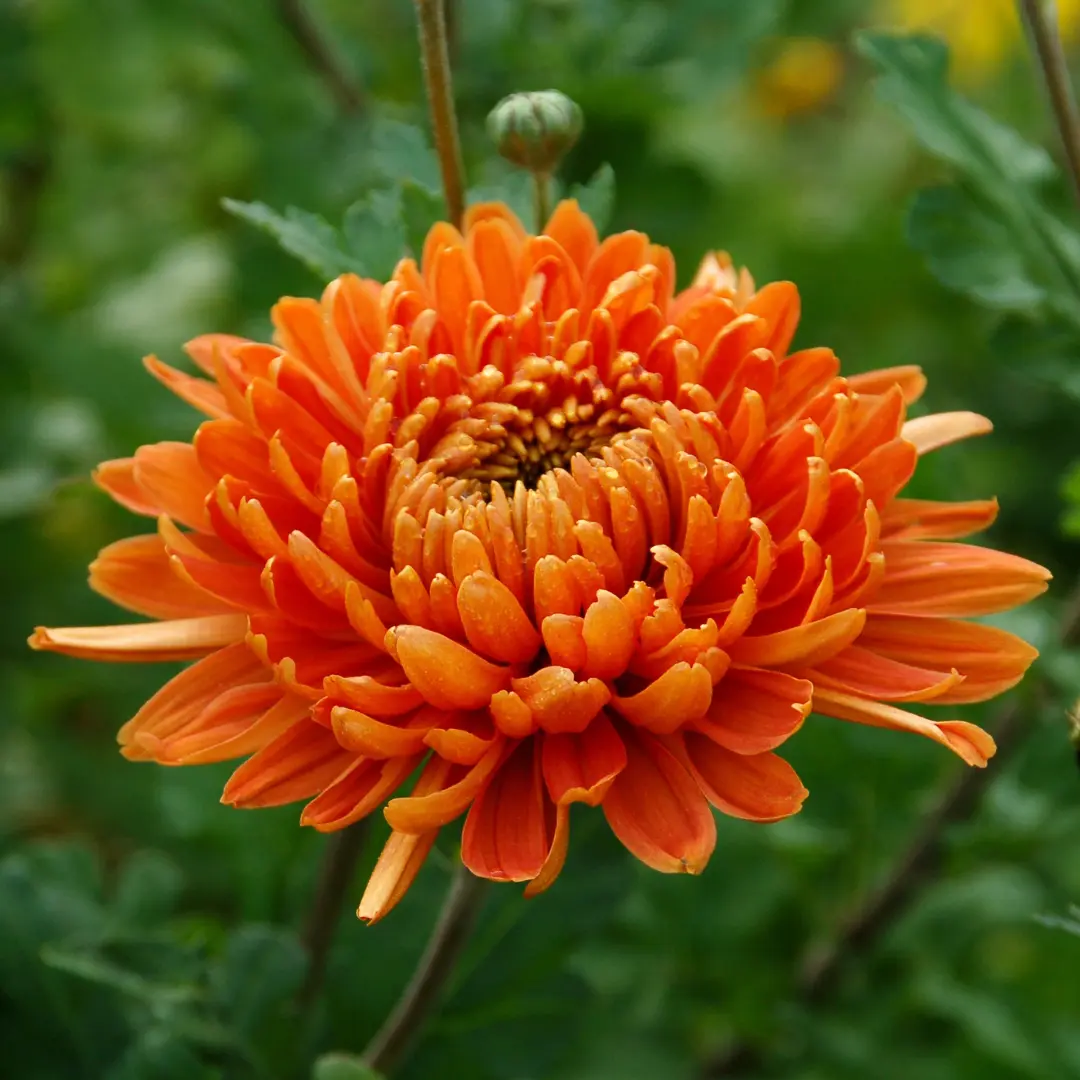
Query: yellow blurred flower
point(981, 33)
point(804, 74)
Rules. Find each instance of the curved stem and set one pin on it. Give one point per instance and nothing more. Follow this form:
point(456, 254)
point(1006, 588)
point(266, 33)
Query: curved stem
point(435, 55)
point(335, 875)
point(448, 939)
point(1040, 18)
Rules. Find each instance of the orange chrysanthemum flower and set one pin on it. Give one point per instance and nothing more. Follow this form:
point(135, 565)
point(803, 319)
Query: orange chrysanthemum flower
point(526, 520)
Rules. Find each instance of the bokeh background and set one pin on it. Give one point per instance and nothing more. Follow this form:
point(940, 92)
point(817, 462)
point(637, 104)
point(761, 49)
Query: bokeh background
point(148, 932)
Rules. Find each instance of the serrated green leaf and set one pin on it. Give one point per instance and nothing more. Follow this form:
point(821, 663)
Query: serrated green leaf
point(374, 232)
point(597, 196)
point(343, 1067)
point(914, 81)
point(308, 237)
point(971, 252)
point(400, 151)
point(421, 207)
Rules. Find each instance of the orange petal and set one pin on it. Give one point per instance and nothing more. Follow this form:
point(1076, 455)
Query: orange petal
point(802, 645)
point(463, 738)
point(402, 855)
point(609, 637)
point(865, 673)
point(989, 659)
point(969, 742)
point(225, 742)
point(556, 856)
point(297, 765)
point(172, 479)
point(908, 377)
point(754, 711)
point(419, 813)
point(353, 796)
point(185, 695)
point(656, 809)
point(494, 622)
point(679, 696)
point(928, 578)
point(117, 479)
point(925, 519)
point(581, 768)
point(137, 574)
point(177, 639)
point(558, 702)
point(368, 695)
point(364, 734)
point(506, 836)
point(757, 787)
point(448, 674)
point(931, 432)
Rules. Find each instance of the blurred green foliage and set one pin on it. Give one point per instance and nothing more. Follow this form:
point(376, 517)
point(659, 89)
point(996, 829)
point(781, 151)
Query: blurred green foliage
point(148, 932)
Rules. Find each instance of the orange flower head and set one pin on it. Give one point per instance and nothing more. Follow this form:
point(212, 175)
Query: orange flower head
point(529, 523)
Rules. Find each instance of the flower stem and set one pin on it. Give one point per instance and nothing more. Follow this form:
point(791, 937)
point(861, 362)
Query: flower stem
point(541, 198)
point(448, 939)
point(321, 55)
point(435, 55)
point(335, 876)
point(1040, 18)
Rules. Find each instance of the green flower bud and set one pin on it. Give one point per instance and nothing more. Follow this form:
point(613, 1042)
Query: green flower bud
point(534, 130)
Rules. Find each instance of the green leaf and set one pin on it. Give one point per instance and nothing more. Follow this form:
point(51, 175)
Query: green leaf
point(400, 151)
point(420, 209)
point(95, 968)
point(308, 237)
point(597, 196)
point(914, 81)
point(1070, 491)
point(336, 1066)
point(261, 967)
point(994, 240)
point(148, 889)
point(374, 231)
point(971, 252)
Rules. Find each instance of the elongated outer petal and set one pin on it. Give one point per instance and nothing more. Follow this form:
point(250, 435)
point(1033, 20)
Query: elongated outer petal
point(359, 791)
point(177, 639)
point(800, 645)
point(419, 813)
point(581, 768)
point(931, 432)
point(495, 623)
point(403, 854)
point(757, 787)
point(681, 695)
point(657, 810)
point(967, 741)
point(754, 711)
point(297, 765)
point(556, 856)
point(990, 660)
point(864, 673)
point(928, 578)
point(364, 734)
point(137, 574)
point(506, 837)
point(448, 674)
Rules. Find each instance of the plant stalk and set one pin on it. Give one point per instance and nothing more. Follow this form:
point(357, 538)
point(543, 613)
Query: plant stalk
point(435, 57)
point(1040, 19)
point(541, 198)
point(335, 876)
point(420, 997)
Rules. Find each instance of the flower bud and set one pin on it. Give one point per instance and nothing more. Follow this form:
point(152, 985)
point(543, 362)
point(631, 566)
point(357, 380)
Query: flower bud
point(534, 130)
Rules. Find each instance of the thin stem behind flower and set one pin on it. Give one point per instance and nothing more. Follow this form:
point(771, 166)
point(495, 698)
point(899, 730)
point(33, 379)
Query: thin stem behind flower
point(456, 920)
point(1040, 19)
point(435, 55)
point(322, 56)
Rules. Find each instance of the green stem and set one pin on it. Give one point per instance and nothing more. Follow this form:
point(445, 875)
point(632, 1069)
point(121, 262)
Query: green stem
point(404, 1024)
point(541, 198)
point(435, 56)
point(1040, 19)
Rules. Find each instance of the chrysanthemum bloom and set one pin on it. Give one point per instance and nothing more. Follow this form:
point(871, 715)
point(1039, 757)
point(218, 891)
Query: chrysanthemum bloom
point(528, 523)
